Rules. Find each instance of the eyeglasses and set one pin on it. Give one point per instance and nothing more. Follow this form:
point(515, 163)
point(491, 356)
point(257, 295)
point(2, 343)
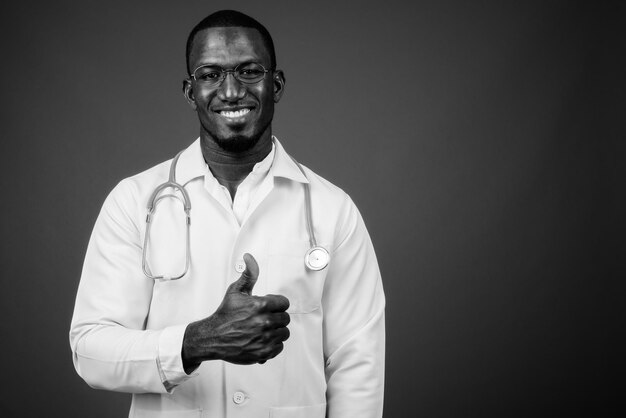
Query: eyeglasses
point(213, 75)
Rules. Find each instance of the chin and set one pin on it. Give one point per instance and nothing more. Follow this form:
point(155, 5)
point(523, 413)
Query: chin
point(237, 143)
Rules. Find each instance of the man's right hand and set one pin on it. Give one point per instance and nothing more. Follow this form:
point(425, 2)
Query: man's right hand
point(244, 329)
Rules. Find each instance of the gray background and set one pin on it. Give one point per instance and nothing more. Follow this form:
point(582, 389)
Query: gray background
point(483, 143)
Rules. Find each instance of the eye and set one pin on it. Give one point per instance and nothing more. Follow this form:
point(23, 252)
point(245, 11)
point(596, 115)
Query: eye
point(208, 74)
point(251, 72)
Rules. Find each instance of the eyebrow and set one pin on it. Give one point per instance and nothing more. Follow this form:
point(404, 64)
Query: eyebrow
point(211, 64)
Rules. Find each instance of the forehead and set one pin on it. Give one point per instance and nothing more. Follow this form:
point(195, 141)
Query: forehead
point(228, 46)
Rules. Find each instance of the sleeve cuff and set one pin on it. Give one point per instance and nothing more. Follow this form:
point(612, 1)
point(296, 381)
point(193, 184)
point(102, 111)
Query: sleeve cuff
point(169, 361)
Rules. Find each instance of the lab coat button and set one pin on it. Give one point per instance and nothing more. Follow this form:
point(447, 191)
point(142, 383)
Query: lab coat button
point(240, 266)
point(239, 397)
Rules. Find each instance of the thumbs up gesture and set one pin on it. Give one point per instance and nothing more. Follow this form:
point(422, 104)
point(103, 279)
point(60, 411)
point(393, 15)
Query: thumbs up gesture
point(244, 329)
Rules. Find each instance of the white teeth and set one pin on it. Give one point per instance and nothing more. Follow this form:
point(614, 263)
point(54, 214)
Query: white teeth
point(234, 114)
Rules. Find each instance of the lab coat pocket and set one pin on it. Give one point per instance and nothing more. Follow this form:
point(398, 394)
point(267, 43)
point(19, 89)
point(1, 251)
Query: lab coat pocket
point(312, 411)
point(288, 276)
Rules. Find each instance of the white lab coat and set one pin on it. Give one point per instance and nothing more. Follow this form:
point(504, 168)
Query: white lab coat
point(127, 330)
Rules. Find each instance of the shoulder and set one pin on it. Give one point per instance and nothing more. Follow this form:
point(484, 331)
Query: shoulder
point(129, 198)
point(325, 190)
point(144, 182)
point(148, 179)
point(321, 189)
point(334, 206)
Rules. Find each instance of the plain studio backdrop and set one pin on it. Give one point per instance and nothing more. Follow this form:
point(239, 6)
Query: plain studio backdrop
point(482, 141)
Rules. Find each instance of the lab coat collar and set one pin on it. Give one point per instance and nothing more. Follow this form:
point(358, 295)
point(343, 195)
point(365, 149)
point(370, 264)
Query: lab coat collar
point(285, 166)
point(191, 164)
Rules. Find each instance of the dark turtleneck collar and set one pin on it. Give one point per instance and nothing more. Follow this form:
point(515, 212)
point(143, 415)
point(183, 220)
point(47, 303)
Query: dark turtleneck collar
point(230, 168)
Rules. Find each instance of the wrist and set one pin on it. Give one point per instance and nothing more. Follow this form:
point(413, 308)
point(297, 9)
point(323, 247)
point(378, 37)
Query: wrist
point(197, 344)
point(188, 355)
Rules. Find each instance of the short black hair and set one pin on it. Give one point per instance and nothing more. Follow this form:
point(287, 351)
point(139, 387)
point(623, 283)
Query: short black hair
point(227, 19)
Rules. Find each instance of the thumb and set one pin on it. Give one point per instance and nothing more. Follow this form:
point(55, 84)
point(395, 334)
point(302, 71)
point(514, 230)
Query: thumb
point(248, 278)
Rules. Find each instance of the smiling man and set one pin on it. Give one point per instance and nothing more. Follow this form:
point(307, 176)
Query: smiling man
point(231, 281)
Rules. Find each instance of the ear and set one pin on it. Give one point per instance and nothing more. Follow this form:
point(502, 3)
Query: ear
point(279, 85)
point(188, 93)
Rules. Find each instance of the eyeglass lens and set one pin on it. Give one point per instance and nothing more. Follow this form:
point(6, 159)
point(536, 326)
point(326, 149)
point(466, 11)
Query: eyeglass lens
point(246, 73)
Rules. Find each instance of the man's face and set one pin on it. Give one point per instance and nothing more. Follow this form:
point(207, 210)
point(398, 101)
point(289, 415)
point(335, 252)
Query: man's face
point(233, 114)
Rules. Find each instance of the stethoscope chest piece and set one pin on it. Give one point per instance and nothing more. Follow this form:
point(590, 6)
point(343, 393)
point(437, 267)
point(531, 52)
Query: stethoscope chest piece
point(317, 258)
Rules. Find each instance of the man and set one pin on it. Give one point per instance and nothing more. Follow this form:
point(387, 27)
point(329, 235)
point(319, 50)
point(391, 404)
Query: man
point(249, 329)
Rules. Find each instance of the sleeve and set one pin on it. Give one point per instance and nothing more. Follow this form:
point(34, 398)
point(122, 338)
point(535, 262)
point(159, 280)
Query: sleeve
point(111, 347)
point(354, 324)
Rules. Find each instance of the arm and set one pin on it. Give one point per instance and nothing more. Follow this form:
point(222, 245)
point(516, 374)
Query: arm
point(354, 324)
point(111, 348)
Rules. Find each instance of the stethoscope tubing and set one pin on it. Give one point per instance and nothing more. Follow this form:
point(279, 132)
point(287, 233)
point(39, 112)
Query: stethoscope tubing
point(316, 258)
point(154, 198)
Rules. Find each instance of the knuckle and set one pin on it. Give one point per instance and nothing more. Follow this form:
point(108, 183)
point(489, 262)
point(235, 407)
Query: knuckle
point(261, 322)
point(260, 303)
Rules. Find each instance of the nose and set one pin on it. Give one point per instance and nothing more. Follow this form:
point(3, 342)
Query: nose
point(231, 89)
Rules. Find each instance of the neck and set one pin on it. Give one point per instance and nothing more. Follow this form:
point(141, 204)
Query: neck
point(230, 168)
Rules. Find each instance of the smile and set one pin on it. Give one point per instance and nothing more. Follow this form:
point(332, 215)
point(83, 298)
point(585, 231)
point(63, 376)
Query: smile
point(232, 114)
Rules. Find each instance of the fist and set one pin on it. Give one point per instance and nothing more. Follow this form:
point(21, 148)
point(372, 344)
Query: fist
point(244, 329)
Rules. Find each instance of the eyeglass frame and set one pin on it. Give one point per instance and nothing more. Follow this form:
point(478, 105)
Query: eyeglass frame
point(231, 70)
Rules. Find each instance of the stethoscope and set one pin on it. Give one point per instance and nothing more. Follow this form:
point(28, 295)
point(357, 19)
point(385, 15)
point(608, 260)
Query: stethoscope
point(316, 258)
